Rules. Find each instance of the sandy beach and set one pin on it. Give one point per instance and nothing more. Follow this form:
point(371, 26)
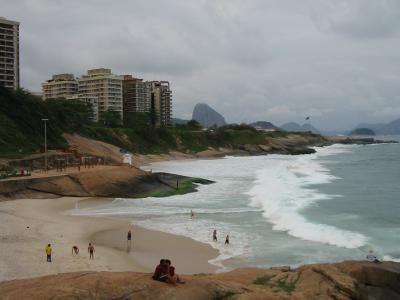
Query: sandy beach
point(27, 225)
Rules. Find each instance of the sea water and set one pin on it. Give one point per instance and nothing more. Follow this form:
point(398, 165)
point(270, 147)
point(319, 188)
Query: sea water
point(334, 205)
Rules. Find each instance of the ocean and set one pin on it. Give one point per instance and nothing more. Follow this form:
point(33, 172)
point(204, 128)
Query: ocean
point(334, 205)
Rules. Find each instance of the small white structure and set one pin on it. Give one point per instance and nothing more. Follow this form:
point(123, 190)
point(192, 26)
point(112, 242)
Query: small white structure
point(127, 158)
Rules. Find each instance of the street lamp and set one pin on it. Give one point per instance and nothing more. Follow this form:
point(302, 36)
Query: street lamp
point(45, 143)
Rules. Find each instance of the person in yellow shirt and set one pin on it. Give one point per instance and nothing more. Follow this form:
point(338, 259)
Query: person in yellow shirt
point(49, 250)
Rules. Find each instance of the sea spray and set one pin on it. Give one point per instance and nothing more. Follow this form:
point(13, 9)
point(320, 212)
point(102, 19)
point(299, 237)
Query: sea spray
point(283, 189)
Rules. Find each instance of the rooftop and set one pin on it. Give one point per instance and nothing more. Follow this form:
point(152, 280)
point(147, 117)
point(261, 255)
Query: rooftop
point(6, 21)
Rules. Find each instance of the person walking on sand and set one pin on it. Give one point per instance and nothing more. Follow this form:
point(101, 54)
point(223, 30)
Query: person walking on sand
point(227, 239)
point(129, 241)
point(215, 235)
point(49, 250)
point(91, 251)
point(75, 250)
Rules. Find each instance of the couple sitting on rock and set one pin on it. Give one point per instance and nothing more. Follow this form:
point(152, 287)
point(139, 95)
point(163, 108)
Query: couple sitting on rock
point(165, 272)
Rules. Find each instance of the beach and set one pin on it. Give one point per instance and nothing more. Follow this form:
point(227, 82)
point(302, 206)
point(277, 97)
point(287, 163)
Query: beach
point(28, 225)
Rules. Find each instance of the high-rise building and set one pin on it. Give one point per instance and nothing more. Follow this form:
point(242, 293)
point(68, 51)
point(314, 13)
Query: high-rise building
point(104, 85)
point(136, 95)
point(9, 53)
point(60, 85)
point(161, 102)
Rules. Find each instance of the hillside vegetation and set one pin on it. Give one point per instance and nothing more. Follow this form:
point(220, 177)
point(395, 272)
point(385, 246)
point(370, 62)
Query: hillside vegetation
point(22, 129)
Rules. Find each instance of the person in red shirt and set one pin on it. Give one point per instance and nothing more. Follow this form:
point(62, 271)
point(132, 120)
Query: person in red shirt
point(161, 271)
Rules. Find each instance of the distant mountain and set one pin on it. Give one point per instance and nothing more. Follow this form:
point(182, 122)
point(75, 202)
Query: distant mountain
point(392, 127)
point(263, 125)
point(294, 127)
point(207, 116)
point(362, 131)
point(176, 121)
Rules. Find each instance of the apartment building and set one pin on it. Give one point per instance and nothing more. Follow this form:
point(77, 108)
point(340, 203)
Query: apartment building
point(136, 95)
point(90, 100)
point(60, 85)
point(9, 53)
point(105, 86)
point(161, 102)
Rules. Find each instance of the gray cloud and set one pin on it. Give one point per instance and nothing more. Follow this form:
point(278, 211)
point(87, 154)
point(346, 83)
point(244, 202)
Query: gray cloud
point(275, 60)
point(358, 18)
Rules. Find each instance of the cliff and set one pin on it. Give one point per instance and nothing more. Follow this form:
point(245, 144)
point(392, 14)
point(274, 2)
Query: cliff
point(346, 280)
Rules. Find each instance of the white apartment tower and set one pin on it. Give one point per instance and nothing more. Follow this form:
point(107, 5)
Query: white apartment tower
point(9, 53)
point(103, 85)
point(60, 86)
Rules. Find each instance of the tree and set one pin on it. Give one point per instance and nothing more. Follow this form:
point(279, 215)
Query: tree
point(110, 118)
point(137, 120)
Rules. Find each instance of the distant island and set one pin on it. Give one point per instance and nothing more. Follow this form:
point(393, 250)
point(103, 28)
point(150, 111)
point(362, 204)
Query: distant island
point(362, 131)
point(391, 128)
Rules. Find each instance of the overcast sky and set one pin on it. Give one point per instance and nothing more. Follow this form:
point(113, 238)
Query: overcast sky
point(337, 61)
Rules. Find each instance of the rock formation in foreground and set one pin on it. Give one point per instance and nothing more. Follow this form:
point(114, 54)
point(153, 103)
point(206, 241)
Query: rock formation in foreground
point(207, 116)
point(340, 281)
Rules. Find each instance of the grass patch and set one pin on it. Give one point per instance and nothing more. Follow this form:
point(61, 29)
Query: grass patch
point(224, 295)
point(286, 286)
point(184, 187)
point(263, 280)
point(281, 285)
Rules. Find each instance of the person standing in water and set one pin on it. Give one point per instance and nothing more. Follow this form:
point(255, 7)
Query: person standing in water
point(191, 214)
point(227, 239)
point(91, 251)
point(215, 235)
point(129, 241)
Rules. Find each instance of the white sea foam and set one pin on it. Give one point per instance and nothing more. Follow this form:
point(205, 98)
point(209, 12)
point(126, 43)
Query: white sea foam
point(390, 258)
point(283, 189)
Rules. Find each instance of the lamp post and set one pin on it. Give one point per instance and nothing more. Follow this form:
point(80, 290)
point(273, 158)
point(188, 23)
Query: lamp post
point(45, 143)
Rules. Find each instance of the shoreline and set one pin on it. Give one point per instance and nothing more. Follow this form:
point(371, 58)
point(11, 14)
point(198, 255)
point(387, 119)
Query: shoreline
point(32, 223)
point(23, 251)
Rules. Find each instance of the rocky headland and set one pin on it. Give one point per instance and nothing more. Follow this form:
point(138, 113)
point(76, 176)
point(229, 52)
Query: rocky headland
point(113, 181)
point(340, 281)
